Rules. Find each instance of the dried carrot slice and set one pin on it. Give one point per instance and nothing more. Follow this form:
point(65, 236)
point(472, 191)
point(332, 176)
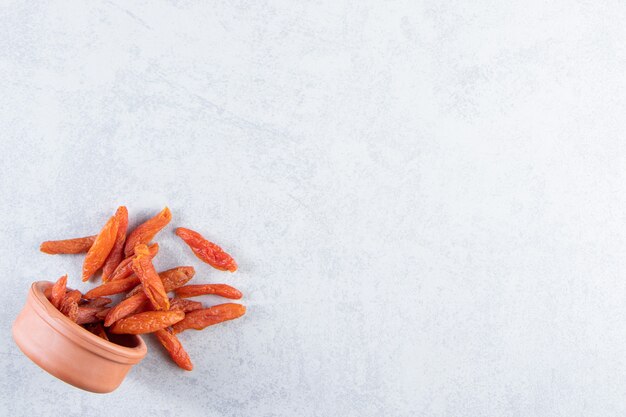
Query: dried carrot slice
point(199, 319)
point(125, 308)
point(125, 268)
point(97, 302)
point(100, 249)
point(147, 230)
point(67, 246)
point(152, 284)
point(88, 315)
point(174, 348)
point(58, 292)
point(222, 290)
point(113, 287)
point(147, 322)
point(185, 305)
point(172, 279)
point(117, 252)
point(207, 251)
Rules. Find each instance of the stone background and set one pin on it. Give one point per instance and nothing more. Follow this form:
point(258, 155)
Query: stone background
point(426, 199)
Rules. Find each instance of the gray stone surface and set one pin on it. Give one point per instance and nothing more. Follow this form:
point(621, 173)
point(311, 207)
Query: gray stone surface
point(426, 199)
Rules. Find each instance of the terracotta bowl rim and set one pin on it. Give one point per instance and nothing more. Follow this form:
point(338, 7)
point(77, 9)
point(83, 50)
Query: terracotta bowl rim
point(83, 337)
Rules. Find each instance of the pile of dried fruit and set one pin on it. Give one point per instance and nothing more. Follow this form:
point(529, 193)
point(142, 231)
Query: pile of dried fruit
point(126, 263)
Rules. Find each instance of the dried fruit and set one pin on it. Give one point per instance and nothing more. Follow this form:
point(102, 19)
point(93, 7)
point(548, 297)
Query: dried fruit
point(174, 348)
point(113, 287)
point(125, 268)
point(100, 249)
point(147, 322)
point(207, 251)
point(172, 279)
point(117, 252)
point(58, 292)
point(88, 315)
point(69, 307)
point(152, 284)
point(67, 246)
point(146, 307)
point(103, 313)
point(144, 233)
point(97, 329)
point(199, 319)
point(125, 308)
point(73, 295)
point(185, 305)
point(222, 290)
point(97, 302)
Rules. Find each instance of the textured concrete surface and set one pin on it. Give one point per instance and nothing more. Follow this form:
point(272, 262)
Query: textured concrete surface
point(426, 199)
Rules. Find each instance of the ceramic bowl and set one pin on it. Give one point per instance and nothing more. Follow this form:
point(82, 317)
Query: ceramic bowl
point(68, 351)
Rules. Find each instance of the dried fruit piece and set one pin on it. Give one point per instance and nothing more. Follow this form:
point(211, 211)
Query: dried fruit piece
point(207, 251)
point(125, 268)
point(97, 302)
point(174, 348)
point(103, 313)
point(125, 308)
point(152, 284)
point(113, 287)
point(144, 233)
point(73, 295)
point(176, 277)
point(138, 289)
point(58, 292)
point(117, 252)
point(100, 249)
point(147, 322)
point(98, 330)
point(199, 319)
point(88, 315)
point(69, 307)
point(67, 246)
point(222, 290)
point(185, 305)
point(172, 279)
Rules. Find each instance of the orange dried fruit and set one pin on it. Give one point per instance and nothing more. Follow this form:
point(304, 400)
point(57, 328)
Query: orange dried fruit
point(222, 290)
point(150, 280)
point(185, 305)
point(207, 251)
point(87, 315)
point(125, 308)
point(117, 252)
point(113, 287)
point(147, 322)
point(125, 268)
point(100, 249)
point(144, 233)
point(174, 348)
point(172, 279)
point(97, 302)
point(199, 319)
point(58, 292)
point(67, 246)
